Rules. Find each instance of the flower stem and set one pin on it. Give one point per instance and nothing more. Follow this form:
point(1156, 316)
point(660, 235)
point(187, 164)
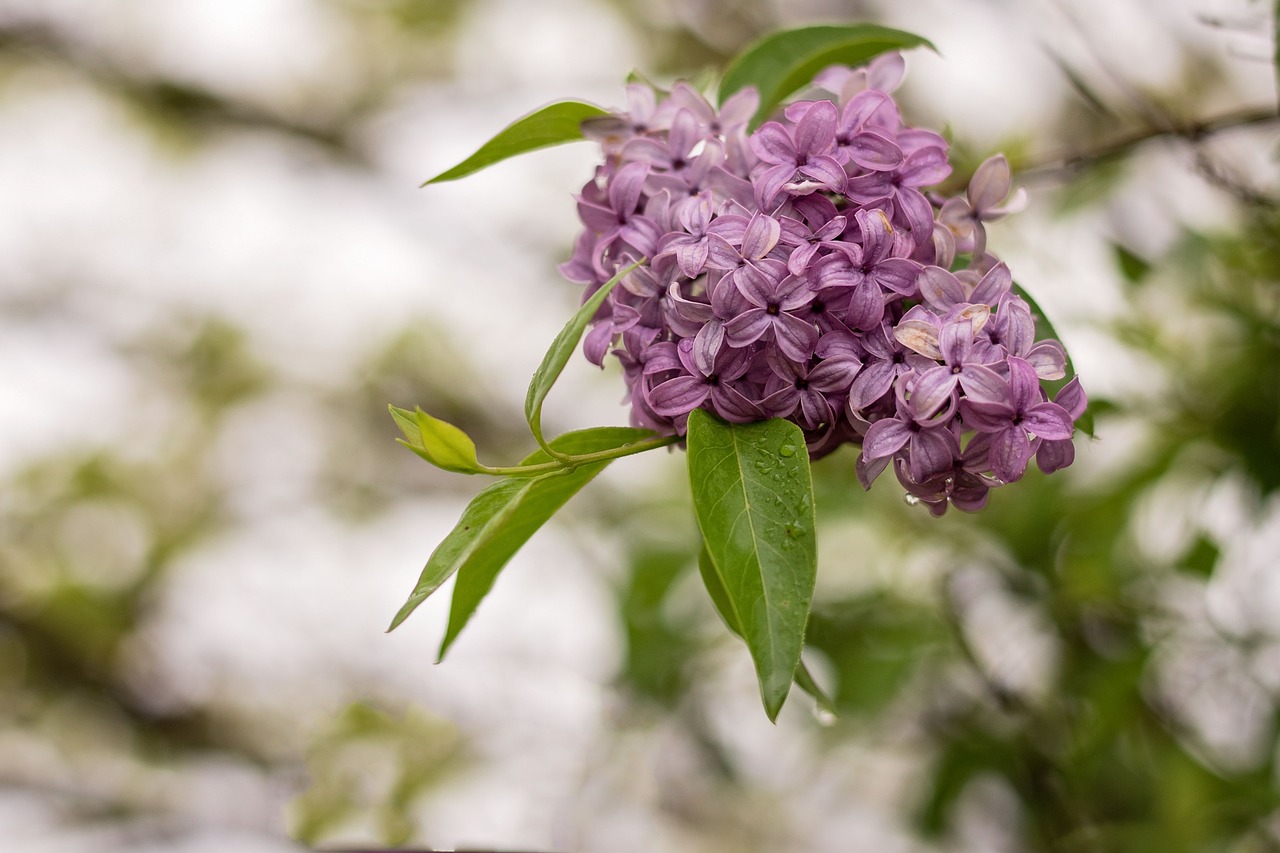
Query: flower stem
point(569, 462)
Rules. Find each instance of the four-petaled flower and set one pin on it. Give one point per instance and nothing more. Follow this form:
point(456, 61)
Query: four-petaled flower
point(1015, 412)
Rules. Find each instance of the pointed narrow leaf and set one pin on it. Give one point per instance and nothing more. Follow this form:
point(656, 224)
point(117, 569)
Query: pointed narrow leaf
point(554, 124)
point(533, 507)
point(783, 62)
point(753, 495)
point(502, 518)
point(1044, 329)
point(407, 421)
point(561, 351)
point(714, 582)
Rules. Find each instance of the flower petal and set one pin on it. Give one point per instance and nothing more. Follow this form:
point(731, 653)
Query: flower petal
point(1053, 456)
point(982, 384)
point(930, 391)
point(747, 328)
point(940, 288)
point(1048, 421)
point(885, 437)
point(995, 284)
point(796, 338)
point(875, 152)
point(990, 183)
point(919, 336)
point(932, 452)
point(871, 384)
point(1049, 359)
point(1010, 452)
point(761, 236)
point(1024, 385)
point(678, 396)
point(986, 417)
point(815, 132)
point(773, 144)
point(826, 170)
point(1072, 398)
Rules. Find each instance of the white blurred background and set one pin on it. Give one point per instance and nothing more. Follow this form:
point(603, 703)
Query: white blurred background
point(217, 269)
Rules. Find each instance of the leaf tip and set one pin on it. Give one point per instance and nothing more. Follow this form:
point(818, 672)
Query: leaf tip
point(774, 689)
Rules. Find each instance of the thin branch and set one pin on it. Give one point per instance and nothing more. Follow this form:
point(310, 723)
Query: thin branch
point(190, 103)
point(1063, 167)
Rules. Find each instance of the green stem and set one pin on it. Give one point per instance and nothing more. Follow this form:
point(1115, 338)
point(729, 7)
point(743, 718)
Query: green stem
point(567, 462)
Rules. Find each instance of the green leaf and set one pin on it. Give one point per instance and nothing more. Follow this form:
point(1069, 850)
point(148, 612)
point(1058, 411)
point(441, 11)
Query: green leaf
point(805, 681)
point(1132, 267)
point(554, 124)
point(753, 495)
point(531, 509)
point(876, 643)
point(714, 582)
point(783, 62)
point(1044, 329)
point(502, 518)
point(560, 352)
point(407, 421)
point(439, 442)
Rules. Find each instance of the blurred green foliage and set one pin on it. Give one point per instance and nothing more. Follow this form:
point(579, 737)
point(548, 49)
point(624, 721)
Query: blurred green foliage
point(375, 764)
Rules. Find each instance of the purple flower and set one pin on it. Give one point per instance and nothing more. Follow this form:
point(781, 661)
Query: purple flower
point(943, 291)
point(691, 245)
point(1014, 413)
point(775, 310)
point(642, 116)
point(800, 271)
point(807, 241)
point(985, 201)
point(806, 152)
point(809, 387)
point(1056, 454)
point(928, 439)
point(690, 386)
point(884, 73)
point(935, 387)
point(858, 144)
point(616, 217)
point(732, 117)
point(899, 189)
point(886, 360)
point(1012, 332)
point(870, 268)
point(958, 486)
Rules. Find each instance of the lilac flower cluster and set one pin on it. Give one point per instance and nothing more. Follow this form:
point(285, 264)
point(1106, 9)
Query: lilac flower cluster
point(805, 271)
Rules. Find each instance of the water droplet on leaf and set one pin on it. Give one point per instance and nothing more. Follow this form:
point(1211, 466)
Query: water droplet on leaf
point(825, 718)
point(787, 450)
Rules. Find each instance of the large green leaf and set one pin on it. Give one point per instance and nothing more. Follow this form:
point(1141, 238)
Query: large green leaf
point(783, 62)
point(753, 495)
point(561, 351)
point(554, 124)
point(502, 518)
point(1045, 329)
point(713, 580)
